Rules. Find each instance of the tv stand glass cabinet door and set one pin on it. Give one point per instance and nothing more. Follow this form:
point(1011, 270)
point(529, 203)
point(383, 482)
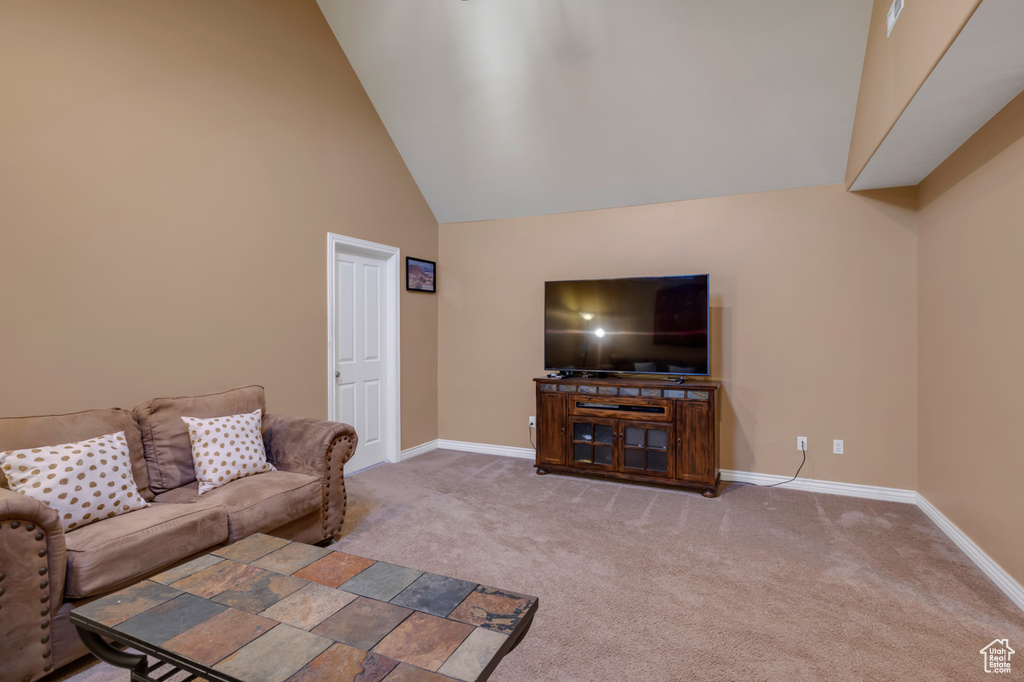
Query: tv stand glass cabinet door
point(620, 445)
point(645, 449)
point(593, 443)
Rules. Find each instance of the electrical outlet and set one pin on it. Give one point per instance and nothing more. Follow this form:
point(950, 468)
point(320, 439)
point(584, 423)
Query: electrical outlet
point(837, 447)
point(801, 443)
point(533, 422)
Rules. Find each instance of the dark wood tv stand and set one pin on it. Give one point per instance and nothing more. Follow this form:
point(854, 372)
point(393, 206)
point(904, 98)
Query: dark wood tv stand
point(644, 430)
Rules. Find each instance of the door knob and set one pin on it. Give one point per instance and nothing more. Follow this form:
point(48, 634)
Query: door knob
point(337, 375)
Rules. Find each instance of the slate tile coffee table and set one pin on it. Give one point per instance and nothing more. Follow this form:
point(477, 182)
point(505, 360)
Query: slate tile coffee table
point(270, 610)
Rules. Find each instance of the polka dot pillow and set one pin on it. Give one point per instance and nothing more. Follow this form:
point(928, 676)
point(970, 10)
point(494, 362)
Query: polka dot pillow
point(227, 448)
point(83, 482)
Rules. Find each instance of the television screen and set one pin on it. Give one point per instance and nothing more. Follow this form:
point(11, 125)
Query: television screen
point(645, 325)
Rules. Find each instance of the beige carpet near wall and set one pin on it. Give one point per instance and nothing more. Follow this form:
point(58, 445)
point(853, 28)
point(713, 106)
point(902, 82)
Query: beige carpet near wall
point(638, 583)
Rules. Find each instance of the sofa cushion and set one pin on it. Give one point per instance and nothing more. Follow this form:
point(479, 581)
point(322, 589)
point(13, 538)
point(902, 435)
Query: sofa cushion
point(18, 433)
point(83, 481)
point(257, 504)
point(103, 556)
point(165, 440)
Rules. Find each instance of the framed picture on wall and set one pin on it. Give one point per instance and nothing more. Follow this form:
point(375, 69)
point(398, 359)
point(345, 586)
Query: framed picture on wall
point(420, 275)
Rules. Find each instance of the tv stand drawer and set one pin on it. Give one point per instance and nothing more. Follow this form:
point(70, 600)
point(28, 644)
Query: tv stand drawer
point(647, 409)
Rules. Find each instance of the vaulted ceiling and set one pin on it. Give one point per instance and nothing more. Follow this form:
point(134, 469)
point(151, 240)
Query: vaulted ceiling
point(506, 108)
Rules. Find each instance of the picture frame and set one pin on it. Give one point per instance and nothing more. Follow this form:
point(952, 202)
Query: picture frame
point(420, 275)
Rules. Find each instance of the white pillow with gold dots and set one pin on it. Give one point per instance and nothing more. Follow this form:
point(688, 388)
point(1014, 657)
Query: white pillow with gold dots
point(83, 482)
point(227, 448)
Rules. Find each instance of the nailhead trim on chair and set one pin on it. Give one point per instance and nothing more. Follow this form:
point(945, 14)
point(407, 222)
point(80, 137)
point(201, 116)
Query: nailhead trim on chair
point(327, 492)
point(327, 488)
point(43, 585)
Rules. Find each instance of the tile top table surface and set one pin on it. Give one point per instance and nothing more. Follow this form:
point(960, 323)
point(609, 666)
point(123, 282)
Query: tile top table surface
point(270, 610)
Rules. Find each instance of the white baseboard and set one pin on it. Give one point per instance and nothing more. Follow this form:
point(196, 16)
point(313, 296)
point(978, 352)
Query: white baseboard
point(418, 450)
point(486, 449)
point(812, 485)
point(1003, 580)
point(464, 446)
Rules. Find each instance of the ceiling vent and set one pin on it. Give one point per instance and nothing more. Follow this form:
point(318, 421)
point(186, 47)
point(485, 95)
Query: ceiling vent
point(892, 16)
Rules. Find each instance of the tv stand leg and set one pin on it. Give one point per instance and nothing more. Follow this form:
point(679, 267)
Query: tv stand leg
point(710, 493)
point(541, 471)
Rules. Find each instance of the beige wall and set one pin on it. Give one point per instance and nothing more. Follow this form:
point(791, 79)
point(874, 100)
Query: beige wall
point(814, 293)
point(897, 66)
point(992, 139)
point(971, 327)
point(168, 176)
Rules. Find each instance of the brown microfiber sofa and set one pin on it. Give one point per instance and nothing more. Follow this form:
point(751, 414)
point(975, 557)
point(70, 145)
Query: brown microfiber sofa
point(45, 572)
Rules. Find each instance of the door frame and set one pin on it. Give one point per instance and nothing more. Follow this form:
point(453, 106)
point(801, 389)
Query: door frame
point(391, 259)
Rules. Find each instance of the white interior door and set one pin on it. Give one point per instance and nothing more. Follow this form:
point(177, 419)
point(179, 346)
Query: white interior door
point(361, 364)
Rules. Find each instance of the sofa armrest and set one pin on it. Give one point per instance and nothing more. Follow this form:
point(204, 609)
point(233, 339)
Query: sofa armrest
point(32, 565)
point(318, 448)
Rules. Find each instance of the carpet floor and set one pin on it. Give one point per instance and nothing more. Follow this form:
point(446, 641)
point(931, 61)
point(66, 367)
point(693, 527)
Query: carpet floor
point(640, 583)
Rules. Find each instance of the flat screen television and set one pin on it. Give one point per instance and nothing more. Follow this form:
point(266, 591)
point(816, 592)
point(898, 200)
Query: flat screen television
point(639, 325)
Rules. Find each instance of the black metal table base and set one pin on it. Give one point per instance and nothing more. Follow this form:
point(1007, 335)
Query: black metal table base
point(138, 664)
